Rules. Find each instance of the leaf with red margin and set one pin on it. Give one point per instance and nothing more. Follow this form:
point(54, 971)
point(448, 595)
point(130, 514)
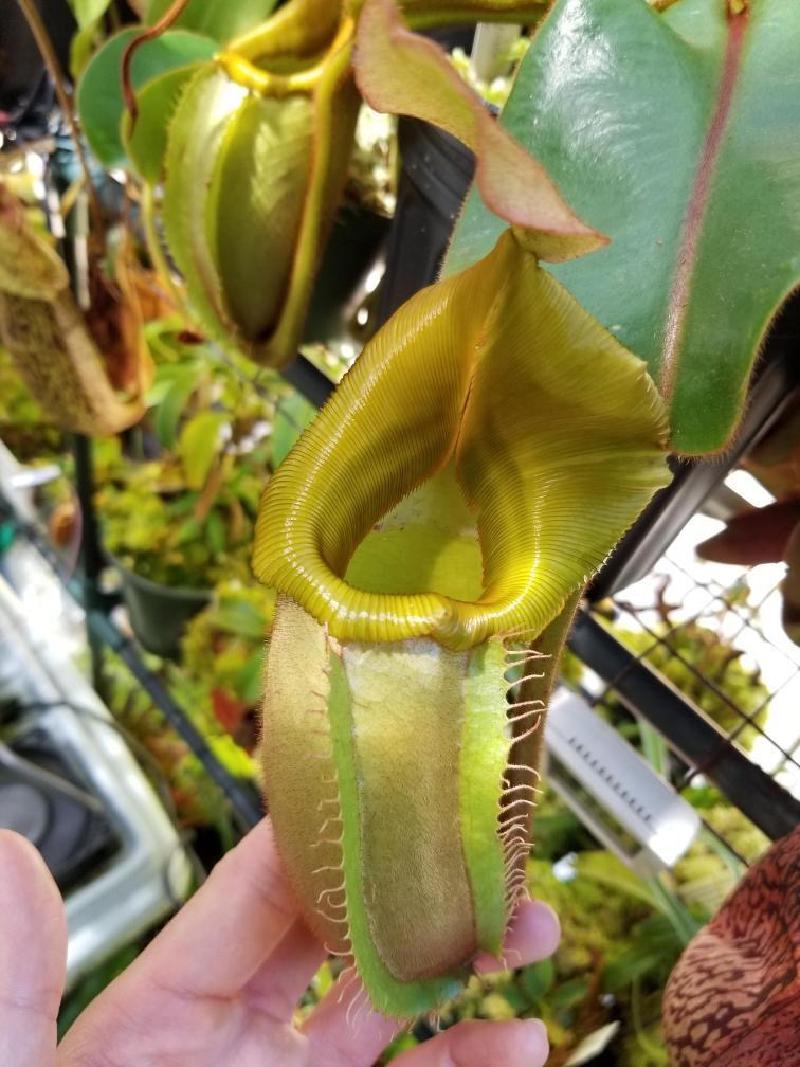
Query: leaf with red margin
point(399, 71)
point(677, 135)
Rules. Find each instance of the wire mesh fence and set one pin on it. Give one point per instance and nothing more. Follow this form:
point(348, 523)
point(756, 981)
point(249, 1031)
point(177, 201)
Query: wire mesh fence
point(713, 633)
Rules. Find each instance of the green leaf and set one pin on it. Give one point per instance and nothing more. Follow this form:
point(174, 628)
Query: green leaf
point(99, 94)
point(88, 12)
point(146, 143)
point(629, 966)
point(293, 414)
point(537, 978)
point(240, 617)
point(220, 19)
point(249, 680)
point(198, 446)
point(81, 48)
point(215, 532)
point(174, 401)
point(608, 870)
point(675, 134)
point(568, 994)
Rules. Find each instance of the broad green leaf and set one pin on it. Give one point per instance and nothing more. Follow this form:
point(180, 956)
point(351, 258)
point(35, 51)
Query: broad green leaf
point(88, 12)
point(552, 429)
point(198, 445)
point(146, 143)
point(220, 19)
point(99, 94)
point(675, 134)
point(401, 72)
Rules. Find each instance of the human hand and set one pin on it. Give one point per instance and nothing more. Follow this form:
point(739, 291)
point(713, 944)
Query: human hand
point(218, 986)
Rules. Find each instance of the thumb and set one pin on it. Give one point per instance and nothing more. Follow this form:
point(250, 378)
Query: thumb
point(33, 949)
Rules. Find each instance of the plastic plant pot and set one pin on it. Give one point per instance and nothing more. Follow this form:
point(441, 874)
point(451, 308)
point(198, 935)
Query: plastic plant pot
point(434, 179)
point(355, 240)
point(159, 613)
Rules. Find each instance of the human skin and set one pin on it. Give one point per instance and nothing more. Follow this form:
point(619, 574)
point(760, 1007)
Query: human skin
point(220, 983)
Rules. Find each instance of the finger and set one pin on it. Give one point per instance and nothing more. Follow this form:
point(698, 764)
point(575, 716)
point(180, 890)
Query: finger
point(534, 934)
point(217, 942)
point(512, 1043)
point(277, 986)
point(344, 1030)
point(33, 952)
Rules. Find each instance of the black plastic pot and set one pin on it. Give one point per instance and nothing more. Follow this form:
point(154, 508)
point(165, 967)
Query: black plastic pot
point(436, 173)
point(159, 613)
point(352, 247)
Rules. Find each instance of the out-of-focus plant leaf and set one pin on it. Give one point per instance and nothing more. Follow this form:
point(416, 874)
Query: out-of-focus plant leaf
point(146, 141)
point(99, 95)
point(676, 135)
point(88, 12)
point(81, 47)
point(198, 445)
point(607, 869)
point(404, 73)
point(537, 978)
point(183, 382)
point(292, 415)
point(220, 19)
point(214, 529)
point(241, 617)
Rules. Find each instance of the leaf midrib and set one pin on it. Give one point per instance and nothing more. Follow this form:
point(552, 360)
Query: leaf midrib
point(692, 229)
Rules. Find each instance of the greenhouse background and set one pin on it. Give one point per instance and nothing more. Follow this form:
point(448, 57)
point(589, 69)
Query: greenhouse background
point(133, 629)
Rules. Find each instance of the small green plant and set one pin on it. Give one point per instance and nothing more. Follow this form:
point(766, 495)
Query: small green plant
point(223, 651)
point(186, 518)
point(709, 670)
point(157, 525)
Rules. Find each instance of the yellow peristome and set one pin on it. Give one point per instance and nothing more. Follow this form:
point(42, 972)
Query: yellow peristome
point(554, 432)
